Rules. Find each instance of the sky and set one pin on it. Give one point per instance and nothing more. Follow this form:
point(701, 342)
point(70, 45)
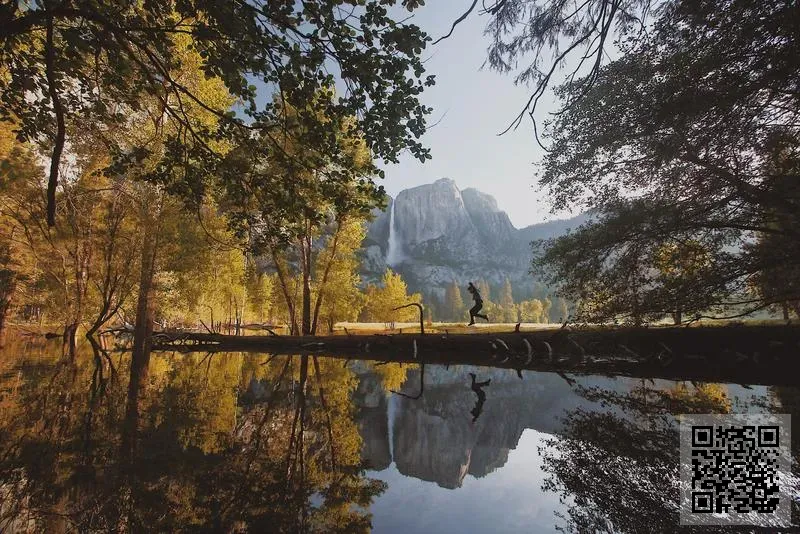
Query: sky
point(473, 105)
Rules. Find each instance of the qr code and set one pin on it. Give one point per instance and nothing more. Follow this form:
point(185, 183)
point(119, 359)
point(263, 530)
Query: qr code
point(735, 467)
point(732, 468)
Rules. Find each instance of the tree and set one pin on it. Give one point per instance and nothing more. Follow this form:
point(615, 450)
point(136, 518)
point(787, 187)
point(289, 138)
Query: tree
point(506, 302)
point(121, 52)
point(342, 299)
point(484, 290)
point(292, 196)
point(453, 303)
point(671, 120)
point(563, 310)
point(523, 32)
point(547, 305)
point(679, 265)
point(778, 279)
point(8, 282)
point(531, 311)
point(84, 265)
point(382, 300)
point(259, 292)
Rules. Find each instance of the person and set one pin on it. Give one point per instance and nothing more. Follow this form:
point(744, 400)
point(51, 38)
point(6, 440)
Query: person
point(473, 312)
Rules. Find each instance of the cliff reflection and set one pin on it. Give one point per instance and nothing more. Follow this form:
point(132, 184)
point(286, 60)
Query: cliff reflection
point(284, 456)
point(437, 438)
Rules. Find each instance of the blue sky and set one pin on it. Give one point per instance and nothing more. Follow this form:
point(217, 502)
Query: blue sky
point(479, 103)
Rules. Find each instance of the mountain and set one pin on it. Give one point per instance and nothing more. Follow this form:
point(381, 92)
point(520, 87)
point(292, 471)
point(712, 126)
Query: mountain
point(442, 234)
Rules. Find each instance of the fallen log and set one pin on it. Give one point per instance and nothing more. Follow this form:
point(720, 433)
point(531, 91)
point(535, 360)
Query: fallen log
point(739, 354)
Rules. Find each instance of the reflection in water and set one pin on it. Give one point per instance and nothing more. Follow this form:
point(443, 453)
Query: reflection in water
point(251, 443)
point(287, 460)
point(477, 387)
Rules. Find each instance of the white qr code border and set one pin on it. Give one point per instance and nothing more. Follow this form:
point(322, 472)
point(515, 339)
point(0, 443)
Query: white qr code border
point(777, 462)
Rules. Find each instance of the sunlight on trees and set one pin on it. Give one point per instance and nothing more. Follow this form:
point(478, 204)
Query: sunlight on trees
point(381, 301)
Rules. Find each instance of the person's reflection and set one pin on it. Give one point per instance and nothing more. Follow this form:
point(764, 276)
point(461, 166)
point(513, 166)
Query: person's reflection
point(477, 387)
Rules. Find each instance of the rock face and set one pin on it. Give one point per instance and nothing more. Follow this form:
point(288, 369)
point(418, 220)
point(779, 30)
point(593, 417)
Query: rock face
point(447, 235)
point(434, 438)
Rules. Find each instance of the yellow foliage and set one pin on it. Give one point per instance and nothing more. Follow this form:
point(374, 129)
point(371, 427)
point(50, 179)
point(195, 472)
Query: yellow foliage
point(382, 301)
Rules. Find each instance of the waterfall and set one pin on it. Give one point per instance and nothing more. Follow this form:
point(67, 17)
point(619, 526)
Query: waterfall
point(393, 254)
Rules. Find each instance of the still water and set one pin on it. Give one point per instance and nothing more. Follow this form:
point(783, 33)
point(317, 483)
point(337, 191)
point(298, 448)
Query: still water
point(235, 442)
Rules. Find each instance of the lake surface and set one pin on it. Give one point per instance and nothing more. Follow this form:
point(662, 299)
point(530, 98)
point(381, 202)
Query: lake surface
point(235, 442)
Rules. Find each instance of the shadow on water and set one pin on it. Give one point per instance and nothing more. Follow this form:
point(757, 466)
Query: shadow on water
point(237, 442)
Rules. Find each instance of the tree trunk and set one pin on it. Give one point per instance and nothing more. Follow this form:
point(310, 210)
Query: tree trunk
point(785, 307)
point(306, 250)
point(285, 289)
point(71, 338)
point(677, 317)
point(142, 341)
point(7, 286)
point(3, 312)
point(324, 282)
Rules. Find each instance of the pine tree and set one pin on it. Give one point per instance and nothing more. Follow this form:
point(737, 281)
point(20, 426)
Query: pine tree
point(483, 289)
point(506, 302)
point(454, 302)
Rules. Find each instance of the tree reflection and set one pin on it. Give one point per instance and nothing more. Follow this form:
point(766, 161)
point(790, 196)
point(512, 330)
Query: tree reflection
point(617, 467)
point(286, 460)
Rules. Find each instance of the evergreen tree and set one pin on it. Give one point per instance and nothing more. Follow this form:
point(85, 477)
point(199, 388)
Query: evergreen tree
point(484, 290)
point(508, 309)
point(454, 303)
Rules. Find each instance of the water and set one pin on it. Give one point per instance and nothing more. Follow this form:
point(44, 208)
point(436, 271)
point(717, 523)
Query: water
point(238, 442)
point(394, 252)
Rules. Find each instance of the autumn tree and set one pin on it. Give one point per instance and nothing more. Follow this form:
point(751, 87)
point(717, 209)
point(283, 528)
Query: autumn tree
point(484, 289)
point(547, 305)
point(679, 265)
point(259, 288)
point(84, 266)
point(531, 311)
point(340, 297)
point(381, 300)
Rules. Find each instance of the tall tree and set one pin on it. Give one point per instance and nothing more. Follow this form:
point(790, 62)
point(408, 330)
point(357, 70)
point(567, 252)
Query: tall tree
point(506, 303)
point(291, 197)
point(688, 123)
point(484, 290)
point(338, 297)
point(453, 302)
point(531, 311)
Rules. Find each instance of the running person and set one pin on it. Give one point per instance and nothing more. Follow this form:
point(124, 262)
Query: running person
point(473, 312)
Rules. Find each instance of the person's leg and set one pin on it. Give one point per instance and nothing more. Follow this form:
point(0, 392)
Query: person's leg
point(472, 312)
point(478, 308)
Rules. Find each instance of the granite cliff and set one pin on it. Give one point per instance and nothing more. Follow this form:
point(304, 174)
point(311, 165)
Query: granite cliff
point(435, 234)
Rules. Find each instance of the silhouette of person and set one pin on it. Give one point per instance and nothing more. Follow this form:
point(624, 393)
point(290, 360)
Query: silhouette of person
point(473, 312)
point(477, 387)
